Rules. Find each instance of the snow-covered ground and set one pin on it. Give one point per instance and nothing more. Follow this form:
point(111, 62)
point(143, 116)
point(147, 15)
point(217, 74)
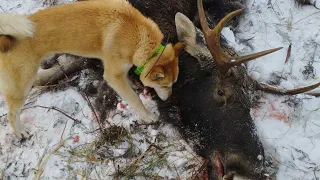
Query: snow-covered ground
point(289, 126)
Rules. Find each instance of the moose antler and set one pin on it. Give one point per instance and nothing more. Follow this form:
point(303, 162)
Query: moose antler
point(212, 36)
point(224, 61)
point(273, 90)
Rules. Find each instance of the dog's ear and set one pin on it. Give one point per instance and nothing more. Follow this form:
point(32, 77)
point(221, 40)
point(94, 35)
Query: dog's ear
point(178, 48)
point(157, 72)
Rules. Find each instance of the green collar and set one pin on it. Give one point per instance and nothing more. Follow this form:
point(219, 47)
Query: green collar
point(139, 69)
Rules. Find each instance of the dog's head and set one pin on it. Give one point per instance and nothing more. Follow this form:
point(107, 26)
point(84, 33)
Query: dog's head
point(165, 73)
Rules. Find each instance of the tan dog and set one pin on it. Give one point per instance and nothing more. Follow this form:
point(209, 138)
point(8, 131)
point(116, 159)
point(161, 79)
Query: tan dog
point(111, 30)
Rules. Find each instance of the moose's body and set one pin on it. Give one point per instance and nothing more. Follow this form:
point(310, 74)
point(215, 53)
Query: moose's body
point(164, 11)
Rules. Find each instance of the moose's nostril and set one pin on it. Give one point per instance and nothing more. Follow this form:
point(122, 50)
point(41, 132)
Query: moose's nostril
point(220, 92)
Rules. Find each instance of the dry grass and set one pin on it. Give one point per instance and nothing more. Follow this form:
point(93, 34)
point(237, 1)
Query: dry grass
point(42, 162)
point(133, 162)
point(50, 3)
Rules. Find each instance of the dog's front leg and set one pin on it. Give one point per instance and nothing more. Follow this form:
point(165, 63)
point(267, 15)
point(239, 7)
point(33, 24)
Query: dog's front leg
point(120, 83)
point(14, 110)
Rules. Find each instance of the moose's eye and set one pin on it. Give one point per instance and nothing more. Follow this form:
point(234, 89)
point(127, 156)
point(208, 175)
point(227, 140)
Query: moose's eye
point(220, 92)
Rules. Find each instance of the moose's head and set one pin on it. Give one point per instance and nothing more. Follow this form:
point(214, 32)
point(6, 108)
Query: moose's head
point(213, 96)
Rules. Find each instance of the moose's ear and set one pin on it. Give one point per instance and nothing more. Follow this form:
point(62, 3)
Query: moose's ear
point(192, 38)
point(185, 29)
point(157, 72)
point(178, 48)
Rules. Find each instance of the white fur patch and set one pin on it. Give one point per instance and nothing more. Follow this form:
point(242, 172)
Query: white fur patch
point(18, 26)
point(237, 177)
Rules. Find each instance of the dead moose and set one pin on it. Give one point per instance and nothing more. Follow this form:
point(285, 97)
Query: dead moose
point(212, 98)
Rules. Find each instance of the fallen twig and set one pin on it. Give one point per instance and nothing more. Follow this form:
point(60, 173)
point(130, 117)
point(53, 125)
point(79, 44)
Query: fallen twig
point(203, 166)
point(92, 109)
point(154, 145)
point(63, 130)
point(3, 173)
point(84, 174)
point(2, 9)
point(56, 109)
point(142, 156)
point(175, 168)
point(134, 164)
point(307, 17)
point(314, 94)
point(288, 54)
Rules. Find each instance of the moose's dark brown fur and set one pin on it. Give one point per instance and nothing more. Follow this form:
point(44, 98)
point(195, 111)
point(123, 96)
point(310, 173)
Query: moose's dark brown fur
point(214, 110)
point(163, 12)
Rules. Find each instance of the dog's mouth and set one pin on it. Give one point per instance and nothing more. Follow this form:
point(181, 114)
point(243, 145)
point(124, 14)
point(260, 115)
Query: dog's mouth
point(163, 93)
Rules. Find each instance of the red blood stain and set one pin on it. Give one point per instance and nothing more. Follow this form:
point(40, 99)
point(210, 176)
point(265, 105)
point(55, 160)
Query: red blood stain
point(146, 93)
point(122, 106)
point(278, 113)
point(203, 175)
point(76, 139)
point(255, 111)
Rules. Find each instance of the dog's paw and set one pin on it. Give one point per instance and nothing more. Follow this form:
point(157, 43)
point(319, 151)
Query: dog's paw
point(150, 118)
point(23, 134)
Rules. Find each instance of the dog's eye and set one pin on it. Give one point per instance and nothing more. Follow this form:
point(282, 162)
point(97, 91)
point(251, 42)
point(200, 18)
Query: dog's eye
point(220, 92)
point(164, 86)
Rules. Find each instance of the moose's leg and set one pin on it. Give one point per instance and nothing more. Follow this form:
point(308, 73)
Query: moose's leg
point(116, 76)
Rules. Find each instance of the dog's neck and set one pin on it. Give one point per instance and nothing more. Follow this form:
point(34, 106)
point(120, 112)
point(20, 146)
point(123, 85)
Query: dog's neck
point(150, 39)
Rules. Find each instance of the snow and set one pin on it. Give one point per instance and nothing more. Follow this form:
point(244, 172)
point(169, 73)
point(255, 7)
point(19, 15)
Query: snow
point(289, 126)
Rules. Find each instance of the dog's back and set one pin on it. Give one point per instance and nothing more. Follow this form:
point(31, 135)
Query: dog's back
point(84, 26)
